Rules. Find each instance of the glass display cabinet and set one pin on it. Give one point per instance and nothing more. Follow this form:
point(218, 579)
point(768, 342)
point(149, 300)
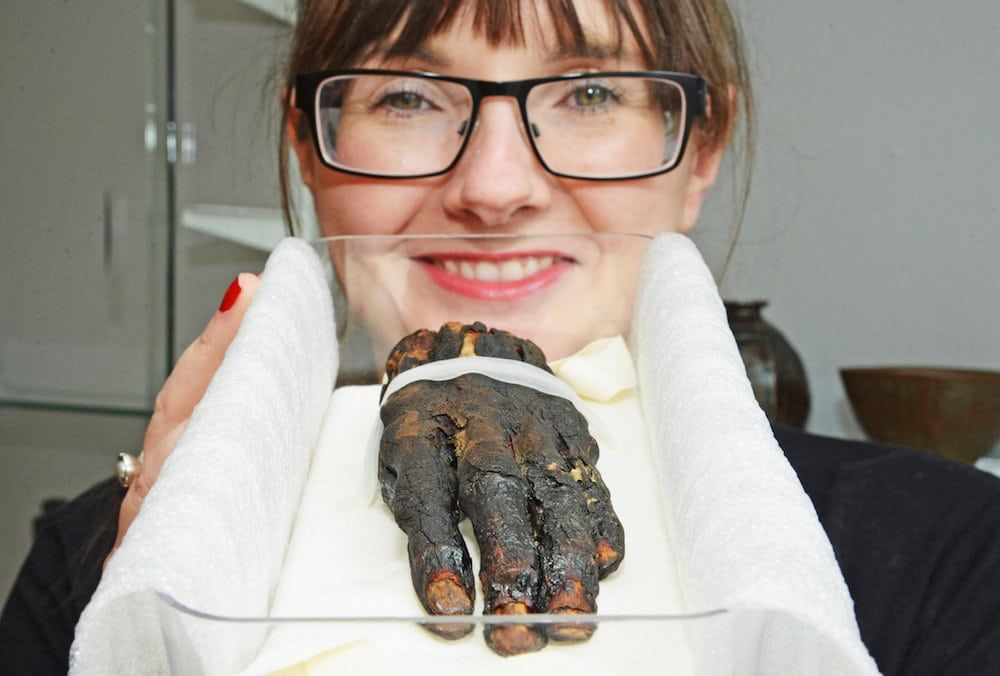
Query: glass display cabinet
point(84, 211)
point(138, 148)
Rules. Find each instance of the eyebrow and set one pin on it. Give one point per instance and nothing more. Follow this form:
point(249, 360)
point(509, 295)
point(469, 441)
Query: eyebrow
point(423, 53)
point(430, 56)
point(596, 50)
point(589, 50)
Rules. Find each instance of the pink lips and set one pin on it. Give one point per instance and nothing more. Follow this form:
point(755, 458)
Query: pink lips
point(493, 290)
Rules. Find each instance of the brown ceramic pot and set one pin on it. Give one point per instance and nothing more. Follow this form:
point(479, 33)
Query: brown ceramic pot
point(773, 367)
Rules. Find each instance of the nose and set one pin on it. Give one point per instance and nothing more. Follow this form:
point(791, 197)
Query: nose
point(498, 180)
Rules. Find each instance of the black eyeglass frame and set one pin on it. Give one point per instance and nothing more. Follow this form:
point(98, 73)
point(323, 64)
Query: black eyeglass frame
point(695, 90)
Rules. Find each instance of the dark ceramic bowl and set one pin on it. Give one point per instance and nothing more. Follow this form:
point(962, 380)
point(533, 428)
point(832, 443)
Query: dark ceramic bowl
point(952, 412)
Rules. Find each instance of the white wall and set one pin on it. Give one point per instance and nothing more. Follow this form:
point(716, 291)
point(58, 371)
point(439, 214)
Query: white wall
point(874, 222)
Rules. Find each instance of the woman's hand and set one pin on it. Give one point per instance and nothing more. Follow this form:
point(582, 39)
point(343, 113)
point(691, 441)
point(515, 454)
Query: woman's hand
point(520, 465)
point(182, 390)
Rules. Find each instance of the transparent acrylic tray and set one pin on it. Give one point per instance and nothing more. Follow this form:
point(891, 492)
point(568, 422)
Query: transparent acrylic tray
point(625, 644)
point(563, 291)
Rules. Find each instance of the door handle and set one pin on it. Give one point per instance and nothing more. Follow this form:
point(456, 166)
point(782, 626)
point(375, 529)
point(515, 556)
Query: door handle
point(108, 230)
point(114, 232)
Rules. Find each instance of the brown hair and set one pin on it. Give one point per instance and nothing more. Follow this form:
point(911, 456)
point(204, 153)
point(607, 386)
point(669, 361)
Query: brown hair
point(693, 36)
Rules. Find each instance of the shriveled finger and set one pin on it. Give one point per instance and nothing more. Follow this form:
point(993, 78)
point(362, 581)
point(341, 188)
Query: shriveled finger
point(186, 384)
point(492, 494)
point(419, 485)
point(566, 543)
point(609, 536)
point(580, 449)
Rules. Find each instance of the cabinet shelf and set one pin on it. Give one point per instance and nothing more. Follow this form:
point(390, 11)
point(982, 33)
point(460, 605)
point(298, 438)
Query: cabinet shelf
point(283, 10)
point(257, 228)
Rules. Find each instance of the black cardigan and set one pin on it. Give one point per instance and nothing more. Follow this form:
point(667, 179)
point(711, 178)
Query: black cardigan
point(917, 538)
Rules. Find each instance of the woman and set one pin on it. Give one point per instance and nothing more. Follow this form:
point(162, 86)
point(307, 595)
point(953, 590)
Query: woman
point(916, 537)
point(627, 154)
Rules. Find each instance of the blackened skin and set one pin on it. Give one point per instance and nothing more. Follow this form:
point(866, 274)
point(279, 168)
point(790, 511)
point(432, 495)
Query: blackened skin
point(520, 464)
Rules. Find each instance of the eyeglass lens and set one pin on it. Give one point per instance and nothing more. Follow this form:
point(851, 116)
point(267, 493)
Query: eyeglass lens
point(600, 127)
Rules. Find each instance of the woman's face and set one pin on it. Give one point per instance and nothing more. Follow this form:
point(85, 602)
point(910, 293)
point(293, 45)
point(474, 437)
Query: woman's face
point(561, 291)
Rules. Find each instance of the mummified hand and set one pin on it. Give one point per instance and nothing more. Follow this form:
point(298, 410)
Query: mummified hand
point(520, 465)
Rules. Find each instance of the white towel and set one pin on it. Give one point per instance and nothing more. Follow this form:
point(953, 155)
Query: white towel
point(745, 534)
point(213, 530)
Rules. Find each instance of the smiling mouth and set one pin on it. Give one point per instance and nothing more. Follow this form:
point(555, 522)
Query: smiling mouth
point(509, 270)
point(486, 276)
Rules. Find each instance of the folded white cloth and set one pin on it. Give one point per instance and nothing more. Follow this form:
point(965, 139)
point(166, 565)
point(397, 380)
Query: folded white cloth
point(600, 371)
point(213, 530)
point(745, 534)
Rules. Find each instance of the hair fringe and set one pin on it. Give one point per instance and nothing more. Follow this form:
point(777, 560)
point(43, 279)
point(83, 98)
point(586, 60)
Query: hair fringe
point(700, 36)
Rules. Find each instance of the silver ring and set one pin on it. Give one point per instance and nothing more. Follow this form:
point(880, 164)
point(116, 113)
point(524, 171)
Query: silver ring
point(127, 468)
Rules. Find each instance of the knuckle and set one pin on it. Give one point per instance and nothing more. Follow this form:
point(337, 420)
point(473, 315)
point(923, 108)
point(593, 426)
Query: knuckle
point(205, 342)
point(129, 507)
point(127, 513)
point(161, 405)
point(140, 489)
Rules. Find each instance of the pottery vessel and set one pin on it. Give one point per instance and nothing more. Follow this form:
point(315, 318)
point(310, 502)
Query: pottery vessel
point(775, 371)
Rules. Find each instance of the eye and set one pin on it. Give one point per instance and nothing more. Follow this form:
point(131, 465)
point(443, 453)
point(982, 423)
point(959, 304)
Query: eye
point(591, 94)
point(405, 100)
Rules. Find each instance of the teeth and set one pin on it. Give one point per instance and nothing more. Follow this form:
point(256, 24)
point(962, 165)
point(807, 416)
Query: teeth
point(510, 270)
point(487, 272)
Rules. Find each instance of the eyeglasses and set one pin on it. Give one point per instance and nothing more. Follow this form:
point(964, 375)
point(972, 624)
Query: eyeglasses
point(596, 126)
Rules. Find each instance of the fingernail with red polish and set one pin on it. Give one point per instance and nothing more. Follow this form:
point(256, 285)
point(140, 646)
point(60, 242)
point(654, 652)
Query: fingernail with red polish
point(232, 293)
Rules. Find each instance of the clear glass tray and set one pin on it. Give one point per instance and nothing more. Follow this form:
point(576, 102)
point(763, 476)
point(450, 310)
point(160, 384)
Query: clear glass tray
point(635, 644)
point(562, 291)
